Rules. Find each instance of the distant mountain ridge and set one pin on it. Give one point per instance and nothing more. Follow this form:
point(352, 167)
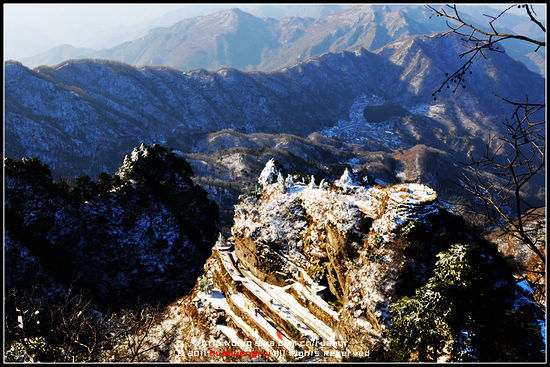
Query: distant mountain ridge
point(81, 116)
point(234, 38)
point(57, 54)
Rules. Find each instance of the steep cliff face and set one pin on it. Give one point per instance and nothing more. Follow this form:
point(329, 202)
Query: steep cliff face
point(321, 228)
point(341, 241)
point(143, 232)
point(331, 272)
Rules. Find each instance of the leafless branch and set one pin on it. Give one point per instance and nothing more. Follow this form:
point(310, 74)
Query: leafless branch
point(476, 40)
point(530, 12)
point(500, 36)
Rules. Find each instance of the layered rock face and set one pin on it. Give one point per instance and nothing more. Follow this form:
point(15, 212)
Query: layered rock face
point(336, 271)
point(307, 275)
point(294, 230)
point(341, 241)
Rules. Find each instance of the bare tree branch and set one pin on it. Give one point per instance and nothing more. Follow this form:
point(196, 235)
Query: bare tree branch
point(501, 36)
point(530, 12)
point(512, 159)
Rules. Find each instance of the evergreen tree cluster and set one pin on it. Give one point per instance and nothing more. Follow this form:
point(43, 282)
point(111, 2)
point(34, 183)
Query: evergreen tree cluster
point(467, 311)
point(139, 233)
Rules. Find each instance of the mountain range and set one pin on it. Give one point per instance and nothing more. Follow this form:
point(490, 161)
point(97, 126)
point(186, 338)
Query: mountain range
point(82, 115)
point(234, 38)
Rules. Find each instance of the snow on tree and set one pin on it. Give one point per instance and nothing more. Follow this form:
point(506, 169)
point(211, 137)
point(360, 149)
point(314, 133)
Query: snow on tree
point(346, 181)
point(270, 173)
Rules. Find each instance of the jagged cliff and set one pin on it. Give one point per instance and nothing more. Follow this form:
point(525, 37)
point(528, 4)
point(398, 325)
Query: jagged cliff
point(320, 272)
point(337, 240)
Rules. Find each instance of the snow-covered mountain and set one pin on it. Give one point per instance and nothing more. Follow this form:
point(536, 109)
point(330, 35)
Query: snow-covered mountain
point(81, 116)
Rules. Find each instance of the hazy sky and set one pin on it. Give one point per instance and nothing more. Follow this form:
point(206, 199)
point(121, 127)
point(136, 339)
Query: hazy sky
point(62, 16)
point(33, 28)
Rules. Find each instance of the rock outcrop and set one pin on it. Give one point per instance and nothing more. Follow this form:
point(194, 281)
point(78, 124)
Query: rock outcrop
point(317, 270)
point(322, 246)
point(320, 230)
point(339, 240)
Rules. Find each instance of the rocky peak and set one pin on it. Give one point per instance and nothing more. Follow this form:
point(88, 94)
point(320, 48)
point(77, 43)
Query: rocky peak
point(309, 223)
point(359, 13)
point(405, 203)
point(230, 17)
point(332, 263)
point(236, 12)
